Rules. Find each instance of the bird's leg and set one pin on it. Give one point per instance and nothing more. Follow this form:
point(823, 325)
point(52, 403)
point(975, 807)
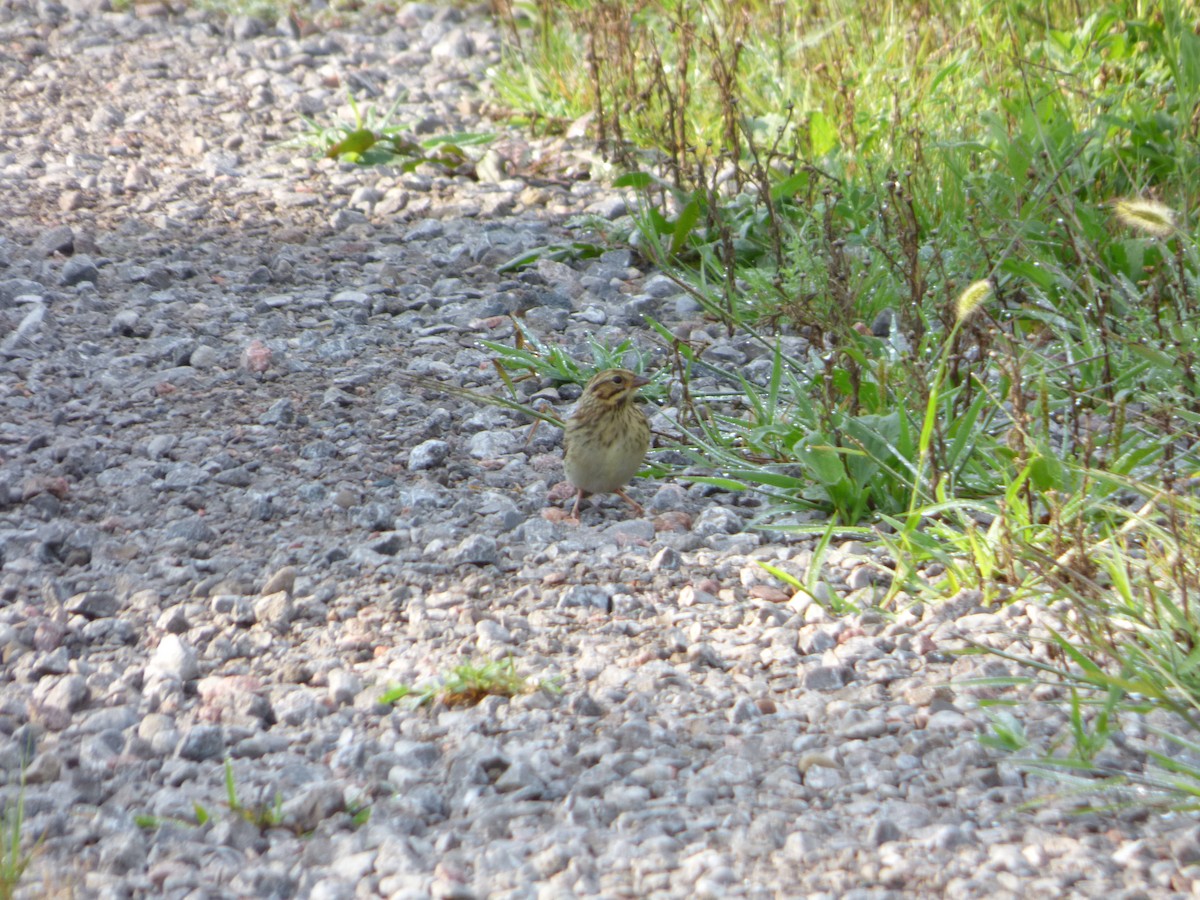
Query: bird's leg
point(578, 500)
point(637, 507)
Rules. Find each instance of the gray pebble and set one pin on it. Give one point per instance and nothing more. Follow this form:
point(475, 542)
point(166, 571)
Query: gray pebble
point(78, 269)
point(478, 549)
point(825, 678)
point(428, 455)
point(202, 742)
point(94, 604)
point(717, 520)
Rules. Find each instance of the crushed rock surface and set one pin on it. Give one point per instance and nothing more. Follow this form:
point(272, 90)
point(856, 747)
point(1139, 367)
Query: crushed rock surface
point(229, 522)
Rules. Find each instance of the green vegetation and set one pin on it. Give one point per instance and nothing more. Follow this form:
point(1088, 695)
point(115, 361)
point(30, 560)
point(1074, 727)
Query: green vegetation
point(14, 860)
point(531, 356)
point(262, 814)
point(370, 137)
point(1007, 193)
point(468, 684)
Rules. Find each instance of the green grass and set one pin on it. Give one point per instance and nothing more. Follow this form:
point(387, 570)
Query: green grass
point(14, 858)
point(370, 136)
point(262, 814)
point(1017, 184)
point(468, 684)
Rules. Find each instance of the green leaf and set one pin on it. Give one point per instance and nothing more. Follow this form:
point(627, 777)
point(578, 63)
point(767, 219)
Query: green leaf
point(557, 252)
point(461, 139)
point(636, 180)
point(1046, 473)
point(1153, 355)
point(1036, 274)
point(658, 222)
point(790, 186)
point(821, 134)
point(824, 462)
point(773, 479)
point(355, 142)
point(726, 483)
point(946, 70)
point(395, 694)
point(684, 224)
point(783, 576)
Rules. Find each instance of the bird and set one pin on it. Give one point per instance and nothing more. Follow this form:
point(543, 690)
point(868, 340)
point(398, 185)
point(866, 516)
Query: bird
point(606, 438)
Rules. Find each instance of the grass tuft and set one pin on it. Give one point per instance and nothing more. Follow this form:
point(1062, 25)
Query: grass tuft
point(468, 684)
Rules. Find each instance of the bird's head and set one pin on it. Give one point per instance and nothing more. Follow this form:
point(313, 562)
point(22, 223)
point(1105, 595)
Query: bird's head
point(613, 387)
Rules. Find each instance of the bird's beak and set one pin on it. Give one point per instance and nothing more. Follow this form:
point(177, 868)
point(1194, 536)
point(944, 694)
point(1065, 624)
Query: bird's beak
point(640, 381)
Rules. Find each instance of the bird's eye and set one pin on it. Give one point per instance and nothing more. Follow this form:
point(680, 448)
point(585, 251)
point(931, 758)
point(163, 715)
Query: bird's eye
point(618, 379)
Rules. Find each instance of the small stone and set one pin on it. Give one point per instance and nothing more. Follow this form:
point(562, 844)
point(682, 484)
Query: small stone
point(949, 720)
point(173, 620)
point(137, 178)
point(425, 230)
point(63, 696)
point(203, 357)
point(344, 218)
point(344, 686)
point(691, 595)
point(745, 710)
point(281, 412)
point(123, 853)
point(284, 580)
point(860, 578)
point(492, 444)
point(427, 455)
point(717, 520)
point(79, 269)
point(312, 806)
point(94, 604)
point(586, 595)
point(173, 659)
point(275, 611)
point(46, 768)
point(768, 592)
point(98, 752)
point(1186, 847)
point(56, 662)
point(202, 742)
point(826, 678)
point(944, 837)
point(492, 636)
point(256, 357)
point(478, 549)
point(237, 609)
point(882, 831)
point(455, 45)
point(56, 240)
point(666, 559)
point(820, 778)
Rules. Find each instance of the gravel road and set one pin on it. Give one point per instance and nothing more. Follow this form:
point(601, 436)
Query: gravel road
point(228, 523)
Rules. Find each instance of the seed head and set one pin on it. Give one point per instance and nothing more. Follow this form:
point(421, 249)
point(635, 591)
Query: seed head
point(1148, 216)
point(972, 298)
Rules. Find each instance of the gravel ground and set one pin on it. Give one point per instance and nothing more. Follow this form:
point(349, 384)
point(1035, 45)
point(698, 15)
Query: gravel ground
point(228, 523)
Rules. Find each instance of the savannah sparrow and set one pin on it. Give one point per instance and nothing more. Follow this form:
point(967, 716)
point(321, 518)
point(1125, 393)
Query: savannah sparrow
point(607, 437)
